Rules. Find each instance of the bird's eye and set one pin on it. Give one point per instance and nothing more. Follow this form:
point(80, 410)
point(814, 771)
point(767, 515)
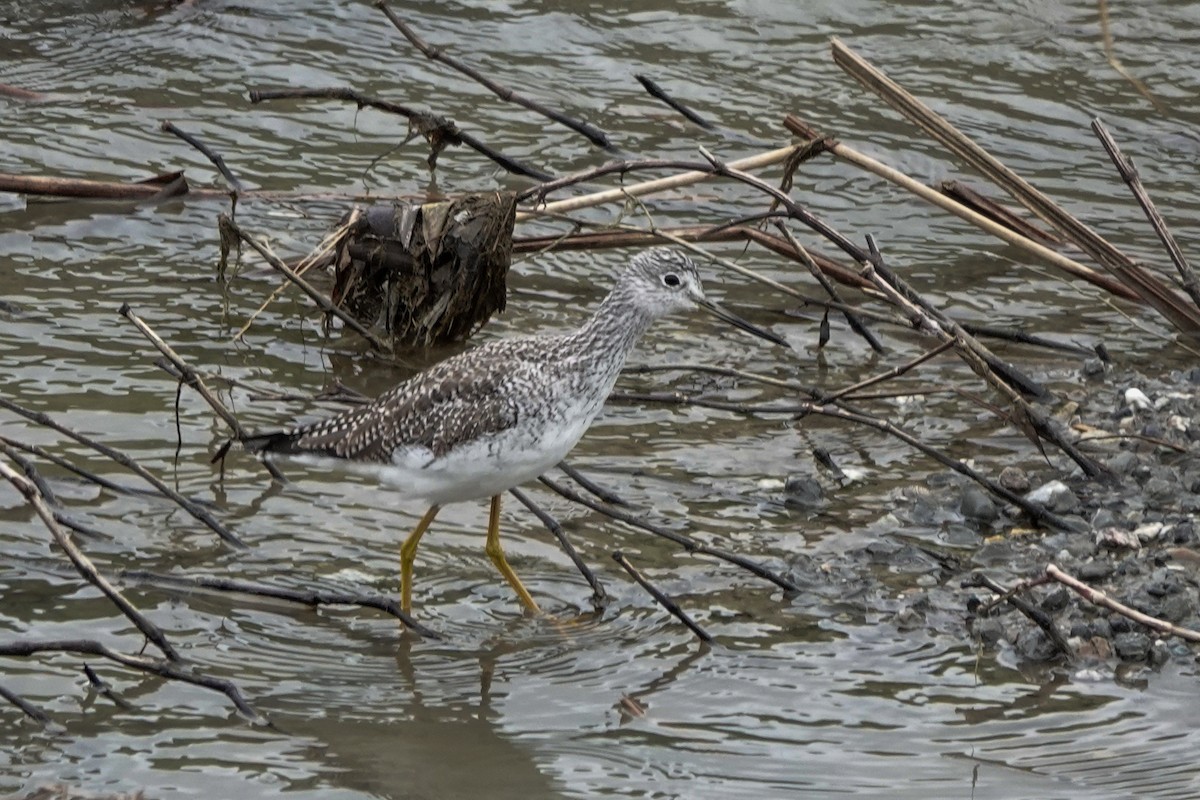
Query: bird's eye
point(671, 279)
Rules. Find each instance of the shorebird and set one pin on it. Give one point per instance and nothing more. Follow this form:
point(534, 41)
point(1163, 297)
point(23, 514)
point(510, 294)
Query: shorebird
point(492, 418)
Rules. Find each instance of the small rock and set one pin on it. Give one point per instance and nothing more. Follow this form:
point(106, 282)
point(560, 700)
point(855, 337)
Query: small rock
point(802, 491)
point(1055, 496)
point(1148, 532)
point(977, 505)
point(1093, 368)
point(1120, 624)
point(1034, 645)
point(1182, 533)
point(1101, 629)
point(1014, 479)
point(1137, 399)
point(1133, 646)
point(1056, 600)
point(1159, 653)
point(1096, 647)
point(989, 630)
point(1095, 571)
point(1175, 608)
point(1117, 539)
point(1123, 462)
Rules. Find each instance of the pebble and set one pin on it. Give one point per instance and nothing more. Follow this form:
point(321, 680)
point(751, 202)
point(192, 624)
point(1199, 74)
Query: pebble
point(803, 491)
point(1015, 479)
point(1134, 646)
point(1056, 496)
point(977, 505)
point(1137, 399)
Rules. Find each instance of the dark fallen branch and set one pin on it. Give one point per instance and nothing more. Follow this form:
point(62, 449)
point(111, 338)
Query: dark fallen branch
point(1129, 174)
point(437, 131)
point(170, 670)
point(215, 158)
point(159, 187)
point(27, 708)
point(99, 480)
point(1037, 513)
point(104, 689)
point(856, 324)
point(690, 545)
point(591, 132)
point(190, 506)
point(308, 597)
point(670, 605)
point(321, 300)
point(599, 596)
point(591, 486)
point(195, 381)
point(1030, 611)
point(657, 92)
point(84, 565)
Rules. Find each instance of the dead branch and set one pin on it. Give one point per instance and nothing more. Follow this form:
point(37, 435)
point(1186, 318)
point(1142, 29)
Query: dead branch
point(308, 597)
point(1099, 598)
point(688, 544)
point(1030, 611)
point(169, 670)
point(599, 596)
point(658, 93)
point(215, 158)
point(29, 709)
point(1129, 174)
point(187, 505)
point(1151, 290)
point(591, 132)
point(321, 300)
point(193, 379)
point(84, 565)
point(670, 605)
point(436, 130)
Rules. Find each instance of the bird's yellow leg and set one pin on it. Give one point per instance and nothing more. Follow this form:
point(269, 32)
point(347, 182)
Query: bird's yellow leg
point(496, 554)
point(408, 554)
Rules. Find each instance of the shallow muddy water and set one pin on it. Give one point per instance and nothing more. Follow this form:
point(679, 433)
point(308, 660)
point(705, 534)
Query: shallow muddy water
point(804, 696)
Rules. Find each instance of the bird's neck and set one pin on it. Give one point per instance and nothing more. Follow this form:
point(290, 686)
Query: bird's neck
point(614, 328)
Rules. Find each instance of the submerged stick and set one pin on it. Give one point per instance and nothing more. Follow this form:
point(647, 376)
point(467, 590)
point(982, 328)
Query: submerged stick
point(599, 596)
point(27, 708)
point(215, 158)
point(83, 564)
point(155, 666)
point(670, 605)
point(658, 93)
point(688, 544)
point(328, 307)
point(308, 597)
point(1129, 174)
point(1030, 611)
point(187, 505)
point(591, 132)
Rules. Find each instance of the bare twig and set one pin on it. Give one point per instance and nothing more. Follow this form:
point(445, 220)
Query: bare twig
point(591, 132)
point(1032, 612)
point(215, 158)
point(84, 565)
point(187, 505)
point(439, 132)
point(170, 670)
point(591, 486)
point(657, 92)
point(670, 605)
point(193, 379)
point(321, 300)
point(688, 544)
point(1099, 598)
point(309, 597)
point(599, 596)
point(1129, 174)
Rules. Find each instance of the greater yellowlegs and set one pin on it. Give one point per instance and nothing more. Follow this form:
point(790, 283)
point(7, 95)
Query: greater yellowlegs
point(484, 421)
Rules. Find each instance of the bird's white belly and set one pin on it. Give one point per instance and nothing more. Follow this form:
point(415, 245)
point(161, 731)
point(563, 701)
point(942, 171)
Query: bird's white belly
point(487, 466)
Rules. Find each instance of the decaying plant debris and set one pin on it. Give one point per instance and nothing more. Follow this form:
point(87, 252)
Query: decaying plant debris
point(412, 273)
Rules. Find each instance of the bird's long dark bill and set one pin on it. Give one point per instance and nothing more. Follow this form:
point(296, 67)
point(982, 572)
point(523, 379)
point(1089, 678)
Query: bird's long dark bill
point(738, 322)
